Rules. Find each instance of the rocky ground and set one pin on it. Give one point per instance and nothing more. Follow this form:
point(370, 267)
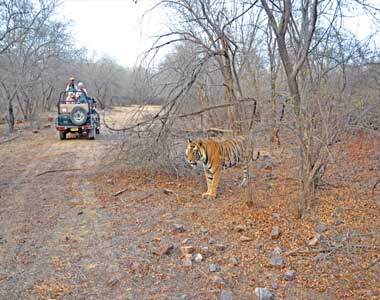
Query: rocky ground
point(76, 224)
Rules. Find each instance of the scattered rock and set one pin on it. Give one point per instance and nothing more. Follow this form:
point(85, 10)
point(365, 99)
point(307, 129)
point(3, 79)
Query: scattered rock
point(274, 284)
point(198, 257)
point(226, 295)
point(206, 252)
point(276, 216)
point(240, 228)
point(321, 228)
point(178, 228)
point(187, 250)
point(370, 294)
point(134, 265)
point(234, 260)
point(258, 249)
point(187, 241)
point(203, 230)
point(275, 233)
point(218, 280)
point(164, 250)
point(187, 261)
point(276, 260)
point(214, 268)
point(212, 241)
point(244, 238)
point(263, 294)
point(314, 241)
point(290, 275)
point(220, 247)
point(168, 215)
point(183, 297)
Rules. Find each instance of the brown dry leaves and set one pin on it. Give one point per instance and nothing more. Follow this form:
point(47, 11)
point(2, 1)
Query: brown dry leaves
point(345, 204)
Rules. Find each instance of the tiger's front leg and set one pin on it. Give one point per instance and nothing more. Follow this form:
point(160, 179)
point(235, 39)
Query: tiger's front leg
point(211, 179)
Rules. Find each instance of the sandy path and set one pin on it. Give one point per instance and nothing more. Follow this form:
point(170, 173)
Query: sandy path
point(53, 233)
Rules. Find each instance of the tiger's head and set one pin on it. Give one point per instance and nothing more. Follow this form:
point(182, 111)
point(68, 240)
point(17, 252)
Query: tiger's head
point(195, 152)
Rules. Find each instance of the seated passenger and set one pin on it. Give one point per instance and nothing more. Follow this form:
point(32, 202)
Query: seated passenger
point(70, 99)
point(82, 97)
point(82, 93)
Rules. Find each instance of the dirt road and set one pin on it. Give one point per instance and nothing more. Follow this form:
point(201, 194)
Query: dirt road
point(49, 210)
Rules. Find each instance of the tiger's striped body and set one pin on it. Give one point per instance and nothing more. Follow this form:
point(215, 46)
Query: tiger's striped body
point(216, 155)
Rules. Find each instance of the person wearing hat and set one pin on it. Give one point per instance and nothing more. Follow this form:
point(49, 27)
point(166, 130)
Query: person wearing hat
point(71, 86)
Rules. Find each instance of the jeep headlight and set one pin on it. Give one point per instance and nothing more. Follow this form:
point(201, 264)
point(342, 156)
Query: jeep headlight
point(64, 109)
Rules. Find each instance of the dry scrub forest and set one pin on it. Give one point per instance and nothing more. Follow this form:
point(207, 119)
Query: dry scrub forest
point(122, 216)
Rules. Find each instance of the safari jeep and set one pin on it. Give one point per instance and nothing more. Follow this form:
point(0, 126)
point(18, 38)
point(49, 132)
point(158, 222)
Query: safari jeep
point(78, 118)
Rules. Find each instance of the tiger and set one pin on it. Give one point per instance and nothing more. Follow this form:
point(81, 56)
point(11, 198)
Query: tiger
point(217, 155)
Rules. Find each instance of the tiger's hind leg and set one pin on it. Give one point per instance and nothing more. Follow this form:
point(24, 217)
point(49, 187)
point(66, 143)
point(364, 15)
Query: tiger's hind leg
point(215, 182)
point(247, 158)
point(246, 176)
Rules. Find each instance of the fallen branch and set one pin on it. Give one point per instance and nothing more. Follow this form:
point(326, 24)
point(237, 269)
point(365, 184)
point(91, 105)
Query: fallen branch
point(373, 263)
point(120, 192)
point(210, 130)
point(374, 187)
point(56, 171)
point(145, 197)
point(214, 107)
point(167, 191)
point(10, 139)
point(164, 118)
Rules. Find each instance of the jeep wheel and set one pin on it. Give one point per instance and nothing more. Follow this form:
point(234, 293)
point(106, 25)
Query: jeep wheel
point(78, 116)
point(62, 135)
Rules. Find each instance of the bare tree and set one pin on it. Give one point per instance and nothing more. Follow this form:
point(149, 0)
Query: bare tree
point(27, 41)
point(271, 43)
point(210, 27)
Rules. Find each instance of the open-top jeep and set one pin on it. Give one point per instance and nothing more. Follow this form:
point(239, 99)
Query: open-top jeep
point(75, 116)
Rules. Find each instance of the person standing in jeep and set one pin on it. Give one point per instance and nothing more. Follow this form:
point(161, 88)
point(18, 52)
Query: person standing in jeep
point(71, 86)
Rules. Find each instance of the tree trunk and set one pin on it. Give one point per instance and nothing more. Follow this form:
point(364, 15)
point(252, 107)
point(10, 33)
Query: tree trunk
point(10, 117)
point(233, 110)
point(273, 134)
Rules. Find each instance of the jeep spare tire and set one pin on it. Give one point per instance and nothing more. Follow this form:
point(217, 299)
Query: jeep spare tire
point(78, 115)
